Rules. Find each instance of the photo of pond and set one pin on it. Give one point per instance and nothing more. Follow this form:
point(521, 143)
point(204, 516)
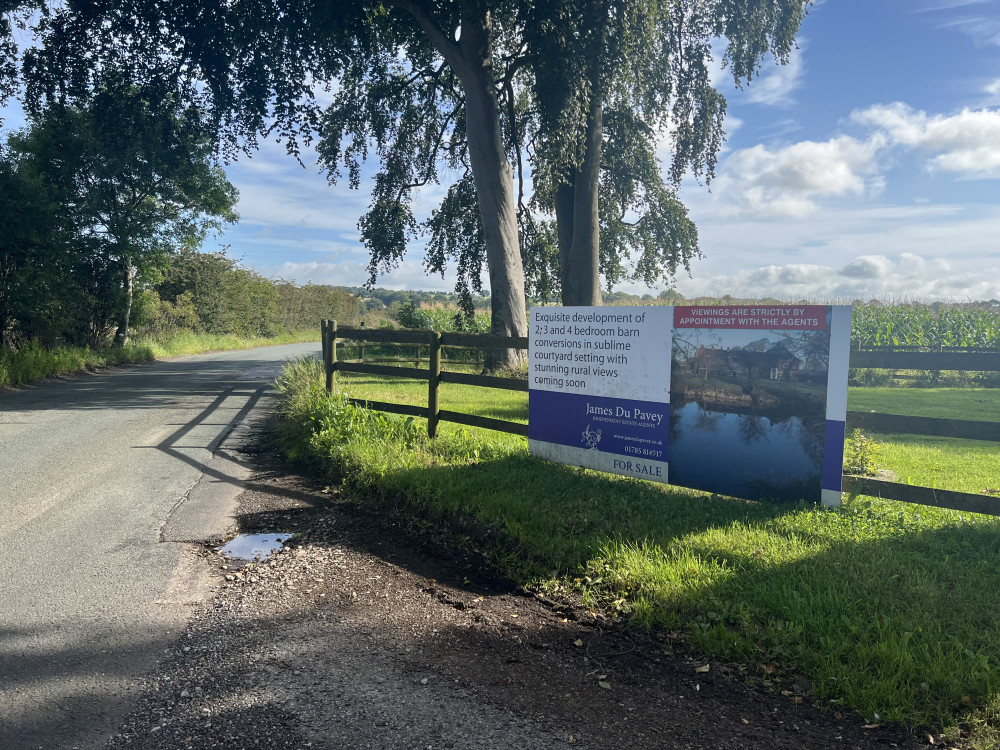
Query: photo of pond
point(756, 454)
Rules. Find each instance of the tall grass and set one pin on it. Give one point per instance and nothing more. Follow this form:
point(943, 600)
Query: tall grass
point(883, 607)
point(32, 362)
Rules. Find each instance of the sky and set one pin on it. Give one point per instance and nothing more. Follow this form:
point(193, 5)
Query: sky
point(867, 167)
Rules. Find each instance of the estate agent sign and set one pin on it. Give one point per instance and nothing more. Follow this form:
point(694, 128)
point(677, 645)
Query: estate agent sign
point(747, 401)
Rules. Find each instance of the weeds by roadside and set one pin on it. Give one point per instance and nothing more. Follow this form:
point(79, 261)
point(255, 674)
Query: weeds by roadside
point(33, 362)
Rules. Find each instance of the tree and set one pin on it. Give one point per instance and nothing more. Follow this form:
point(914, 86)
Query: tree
point(134, 175)
point(611, 77)
point(225, 297)
point(301, 306)
point(461, 84)
point(32, 253)
point(254, 66)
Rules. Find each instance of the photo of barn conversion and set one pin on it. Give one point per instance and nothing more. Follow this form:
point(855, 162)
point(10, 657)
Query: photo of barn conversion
point(755, 398)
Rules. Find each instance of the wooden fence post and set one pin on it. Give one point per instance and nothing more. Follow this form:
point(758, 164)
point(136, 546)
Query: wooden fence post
point(330, 354)
point(433, 382)
point(361, 347)
point(322, 339)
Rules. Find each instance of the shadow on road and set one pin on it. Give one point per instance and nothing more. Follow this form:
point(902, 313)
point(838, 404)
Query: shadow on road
point(154, 386)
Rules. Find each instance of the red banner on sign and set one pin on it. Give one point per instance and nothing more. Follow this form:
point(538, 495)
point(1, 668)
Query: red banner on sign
point(764, 317)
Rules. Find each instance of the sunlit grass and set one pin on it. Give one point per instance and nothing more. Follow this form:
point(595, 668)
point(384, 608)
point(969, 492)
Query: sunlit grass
point(182, 343)
point(33, 362)
point(486, 402)
point(879, 606)
point(946, 403)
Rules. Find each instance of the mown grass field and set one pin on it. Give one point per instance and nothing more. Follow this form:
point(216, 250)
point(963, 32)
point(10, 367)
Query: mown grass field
point(882, 607)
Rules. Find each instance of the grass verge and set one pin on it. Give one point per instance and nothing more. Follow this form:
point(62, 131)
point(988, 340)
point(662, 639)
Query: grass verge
point(884, 607)
point(33, 362)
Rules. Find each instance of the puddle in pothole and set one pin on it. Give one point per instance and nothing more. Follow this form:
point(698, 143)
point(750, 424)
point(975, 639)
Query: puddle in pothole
point(254, 547)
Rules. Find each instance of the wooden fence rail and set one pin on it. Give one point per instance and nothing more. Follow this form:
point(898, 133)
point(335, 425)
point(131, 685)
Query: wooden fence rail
point(935, 427)
point(434, 341)
point(870, 421)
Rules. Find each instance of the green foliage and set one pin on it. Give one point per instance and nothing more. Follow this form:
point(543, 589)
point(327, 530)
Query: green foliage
point(320, 424)
point(564, 74)
point(116, 183)
point(301, 307)
point(867, 377)
point(860, 454)
point(438, 318)
point(387, 297)
point(214, 294)
point(32, 361)
point(608, 78)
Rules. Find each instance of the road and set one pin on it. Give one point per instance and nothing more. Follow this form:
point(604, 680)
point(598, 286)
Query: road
point(105, 482)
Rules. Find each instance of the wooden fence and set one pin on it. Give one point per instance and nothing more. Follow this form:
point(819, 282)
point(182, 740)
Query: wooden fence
point(435, 342)
point(869, 421)
point(935, 427)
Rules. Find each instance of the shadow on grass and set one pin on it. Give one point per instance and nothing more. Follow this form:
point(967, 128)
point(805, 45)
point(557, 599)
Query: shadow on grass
point(557, 516)
point(899, 623)
point(889, 613)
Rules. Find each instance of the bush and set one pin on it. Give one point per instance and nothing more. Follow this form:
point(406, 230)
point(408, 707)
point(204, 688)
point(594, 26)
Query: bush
point(438, 318)
point(860, 455)
point(868, 378)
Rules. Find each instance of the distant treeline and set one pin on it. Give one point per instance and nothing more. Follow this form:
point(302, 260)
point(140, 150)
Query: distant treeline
point(377, 298)
point(201, 292)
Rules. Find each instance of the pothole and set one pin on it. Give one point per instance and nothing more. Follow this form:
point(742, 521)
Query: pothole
point(254, 547)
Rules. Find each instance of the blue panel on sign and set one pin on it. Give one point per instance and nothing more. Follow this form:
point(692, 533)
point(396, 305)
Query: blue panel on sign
point(833, 464)
point(624, 427)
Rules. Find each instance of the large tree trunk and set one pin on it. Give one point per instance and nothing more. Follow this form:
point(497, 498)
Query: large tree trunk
point(471, 58)
point(495, 194)
point(128, 284)
point(578, 205)
point(565, 201)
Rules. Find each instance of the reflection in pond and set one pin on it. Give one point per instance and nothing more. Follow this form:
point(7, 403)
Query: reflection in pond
point(763, 455)
point(752, 428)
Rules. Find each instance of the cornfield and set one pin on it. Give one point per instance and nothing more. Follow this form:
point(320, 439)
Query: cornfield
point(934, 327)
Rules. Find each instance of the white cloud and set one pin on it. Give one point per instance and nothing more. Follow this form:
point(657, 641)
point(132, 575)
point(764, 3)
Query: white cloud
point(776, 85)
point(950, 4)
point(868, 267)
point(409, 275)
point(904, 276)
point(967, 143)
point(927, 251)
point(278, 193)
point(794, 180)
point(786, 181)
point(981, 29)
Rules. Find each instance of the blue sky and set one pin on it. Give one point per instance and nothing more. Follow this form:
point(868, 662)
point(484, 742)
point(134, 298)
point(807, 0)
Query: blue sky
point(869, 166)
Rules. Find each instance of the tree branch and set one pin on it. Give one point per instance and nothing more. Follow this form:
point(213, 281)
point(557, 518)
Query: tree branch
point(449, 50)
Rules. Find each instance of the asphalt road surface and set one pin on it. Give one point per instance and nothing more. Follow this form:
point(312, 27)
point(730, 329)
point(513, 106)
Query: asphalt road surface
point(105, 481)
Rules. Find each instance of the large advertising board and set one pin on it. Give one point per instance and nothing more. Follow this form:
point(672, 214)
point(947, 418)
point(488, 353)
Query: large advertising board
point(748, 401)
